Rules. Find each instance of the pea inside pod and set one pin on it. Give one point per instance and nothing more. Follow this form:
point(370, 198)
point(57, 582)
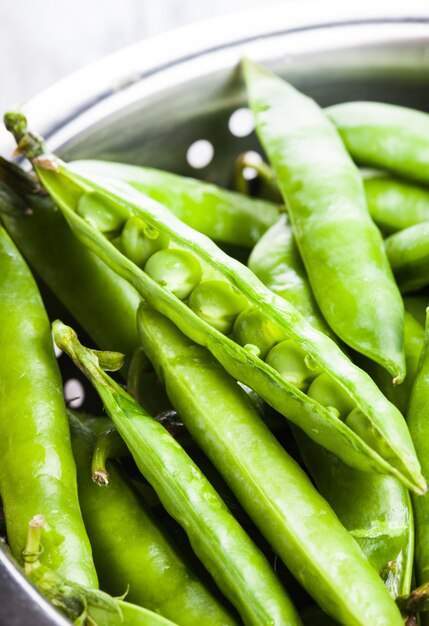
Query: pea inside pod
point(139, 240)
point(176, 270)
point(293, 364)
point(252, 328)
point(218, 303)
point(105, 216)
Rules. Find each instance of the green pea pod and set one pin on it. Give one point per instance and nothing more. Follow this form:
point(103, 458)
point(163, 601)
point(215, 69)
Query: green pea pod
point(270, 485)
point(276, 261)
point(416, 306)
point(236, 564)
point(400, 395)
point(385, 136)
point(408, 253)
point(131, 615)
point(340, 246)
point(360, 450)
point(82, 605)
point(104, 304)
point(222, 215)
point(395, 204)
point(376, 510)
point(418, 424)
point(37, 472)
point(137, 555)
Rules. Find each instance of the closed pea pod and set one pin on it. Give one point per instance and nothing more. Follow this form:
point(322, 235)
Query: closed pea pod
point(413, 344)
point(81, 605)
point(395, 204)
point(418, 424)
point(340, 246)
point(37, 473)
point(132, 551)
point(236, 564)
point(386, 136)
point(408, 253)
point(271, 487)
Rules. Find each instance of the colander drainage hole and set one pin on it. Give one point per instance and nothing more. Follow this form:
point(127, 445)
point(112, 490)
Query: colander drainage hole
point(74, 393)
point(200, 153)
point(242, 122)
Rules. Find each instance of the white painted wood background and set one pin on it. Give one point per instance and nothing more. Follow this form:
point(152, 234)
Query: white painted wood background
point(42, 41)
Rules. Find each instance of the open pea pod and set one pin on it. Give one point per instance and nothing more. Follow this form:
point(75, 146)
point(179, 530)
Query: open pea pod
point(378, 442)
point(225, 216)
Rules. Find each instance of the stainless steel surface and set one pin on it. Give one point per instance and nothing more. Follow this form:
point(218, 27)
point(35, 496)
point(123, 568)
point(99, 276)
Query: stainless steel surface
point(150, 102)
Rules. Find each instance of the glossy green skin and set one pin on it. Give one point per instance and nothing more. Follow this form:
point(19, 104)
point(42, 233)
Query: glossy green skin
point(222, 215)
point(375, 509)
point(238, 567)
point(313, 418)
point(395, 204)
point(340, 246)
point(131, 616)
point(416, 305)
point(37, 473)
point(103, 304)
point(271, 487)
point(276, 261)
point(130, 549)
point(399, 395)
point(385, 136)
point(408, 253)
point(417, 418)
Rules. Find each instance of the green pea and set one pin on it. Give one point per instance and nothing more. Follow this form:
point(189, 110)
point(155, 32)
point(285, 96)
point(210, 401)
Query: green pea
point(361, 425)
point(291, 362)
point(101, 213)
point(253, 328)
point(176, 270)
point(139, 241)
point(218, 303)
point(329, 393)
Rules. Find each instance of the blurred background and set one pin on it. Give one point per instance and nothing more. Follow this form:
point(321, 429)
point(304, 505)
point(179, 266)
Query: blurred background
point(42, 41)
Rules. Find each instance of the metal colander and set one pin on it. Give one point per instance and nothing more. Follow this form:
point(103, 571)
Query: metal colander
point(177, 102)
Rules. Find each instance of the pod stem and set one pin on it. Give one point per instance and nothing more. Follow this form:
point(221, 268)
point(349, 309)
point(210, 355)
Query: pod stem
point(415, 602)
point(90, 362)
point(108, 444)
point(29, 144)
point(264, 173)
point(33, 548)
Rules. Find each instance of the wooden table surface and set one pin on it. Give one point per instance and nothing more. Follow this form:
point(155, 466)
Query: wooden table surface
point(41, 41)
